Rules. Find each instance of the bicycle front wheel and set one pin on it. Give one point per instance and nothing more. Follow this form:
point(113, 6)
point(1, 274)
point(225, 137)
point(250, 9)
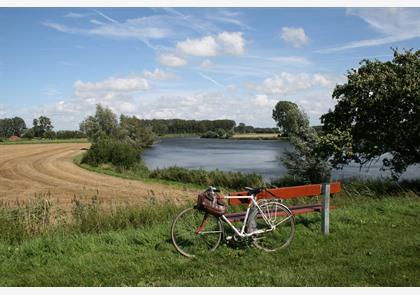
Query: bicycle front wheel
point(276, 229)
point(194, 232)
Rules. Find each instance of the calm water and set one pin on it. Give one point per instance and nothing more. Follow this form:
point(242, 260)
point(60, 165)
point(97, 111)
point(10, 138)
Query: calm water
point(247, 156)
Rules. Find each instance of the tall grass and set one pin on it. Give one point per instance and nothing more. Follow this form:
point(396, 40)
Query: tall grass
point(230, 180)
point(88, 215)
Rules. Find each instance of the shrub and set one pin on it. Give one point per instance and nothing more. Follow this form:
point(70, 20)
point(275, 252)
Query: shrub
point(231, 180)
point(107, 150)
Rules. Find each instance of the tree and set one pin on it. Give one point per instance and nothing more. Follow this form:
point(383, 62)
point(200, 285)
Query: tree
point(41, 125)
point(104, 123)
point(289, 118)
point(378, 113)
point(12, 126)
point(304, 161)
point(139, 134)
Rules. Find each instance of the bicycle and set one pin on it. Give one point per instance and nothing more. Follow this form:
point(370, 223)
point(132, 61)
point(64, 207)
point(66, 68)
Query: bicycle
point(268, 224)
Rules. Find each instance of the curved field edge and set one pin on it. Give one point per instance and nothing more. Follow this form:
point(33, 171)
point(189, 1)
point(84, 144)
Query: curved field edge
point(373, 242)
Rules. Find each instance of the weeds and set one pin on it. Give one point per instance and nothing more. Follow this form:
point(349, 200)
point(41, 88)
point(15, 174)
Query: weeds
point(230, 180)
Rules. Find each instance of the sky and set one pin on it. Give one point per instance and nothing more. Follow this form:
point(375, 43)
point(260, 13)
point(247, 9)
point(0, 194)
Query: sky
point(188, 63)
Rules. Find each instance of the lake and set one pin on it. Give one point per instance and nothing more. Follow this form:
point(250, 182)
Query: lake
point(259, 156)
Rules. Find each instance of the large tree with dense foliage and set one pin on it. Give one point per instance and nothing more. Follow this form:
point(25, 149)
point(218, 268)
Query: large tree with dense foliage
point(103, 123)
point(378, 113)
point(41, 126)
point(304, 161)
point(12, 126)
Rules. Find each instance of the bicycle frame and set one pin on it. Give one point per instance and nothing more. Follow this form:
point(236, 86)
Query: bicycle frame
point(242, 232)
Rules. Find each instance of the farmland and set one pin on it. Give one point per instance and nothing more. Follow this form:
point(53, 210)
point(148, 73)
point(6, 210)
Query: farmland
point(26, 170)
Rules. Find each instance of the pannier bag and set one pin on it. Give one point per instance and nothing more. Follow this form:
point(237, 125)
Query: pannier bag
point(211, 203)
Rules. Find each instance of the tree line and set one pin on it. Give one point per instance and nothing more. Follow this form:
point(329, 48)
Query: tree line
point(41, 128)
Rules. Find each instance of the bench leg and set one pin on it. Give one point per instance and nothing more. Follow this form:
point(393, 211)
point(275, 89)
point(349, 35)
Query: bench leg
point(325, 213)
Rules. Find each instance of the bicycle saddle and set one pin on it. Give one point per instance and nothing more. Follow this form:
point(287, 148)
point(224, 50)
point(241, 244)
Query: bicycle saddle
point(253, 191)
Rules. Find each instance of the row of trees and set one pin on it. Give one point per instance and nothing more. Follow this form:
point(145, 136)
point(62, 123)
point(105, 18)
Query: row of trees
point(17, 127)
point(377, 114)
point(242, 128)
point(176, 126)
point(42, 128)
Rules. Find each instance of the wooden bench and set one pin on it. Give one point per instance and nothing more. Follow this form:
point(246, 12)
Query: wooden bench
point(293, 192)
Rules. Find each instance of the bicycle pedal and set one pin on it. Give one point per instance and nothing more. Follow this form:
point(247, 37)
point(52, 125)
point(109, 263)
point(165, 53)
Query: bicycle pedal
point(228, 238)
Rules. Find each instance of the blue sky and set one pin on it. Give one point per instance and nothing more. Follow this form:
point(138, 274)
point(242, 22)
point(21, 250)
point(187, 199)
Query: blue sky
point(189, 63)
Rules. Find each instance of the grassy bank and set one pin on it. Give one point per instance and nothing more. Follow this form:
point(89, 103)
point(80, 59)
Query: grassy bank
point(374, 241)
point(43, 141)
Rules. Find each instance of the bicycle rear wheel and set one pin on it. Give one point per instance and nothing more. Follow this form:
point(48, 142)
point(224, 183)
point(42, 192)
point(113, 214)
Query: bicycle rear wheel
point(194, 232)
point(271, 239)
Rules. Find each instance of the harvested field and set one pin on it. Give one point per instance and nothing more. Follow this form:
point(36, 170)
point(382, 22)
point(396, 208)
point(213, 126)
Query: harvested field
point(26, 170)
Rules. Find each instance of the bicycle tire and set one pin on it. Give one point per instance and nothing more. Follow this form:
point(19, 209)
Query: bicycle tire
point(284, 232)
point(185, 238)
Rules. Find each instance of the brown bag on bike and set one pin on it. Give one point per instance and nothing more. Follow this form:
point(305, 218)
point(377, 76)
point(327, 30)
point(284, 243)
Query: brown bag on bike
point(211, 203)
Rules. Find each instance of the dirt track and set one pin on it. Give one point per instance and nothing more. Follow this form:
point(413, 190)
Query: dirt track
point(29, 169)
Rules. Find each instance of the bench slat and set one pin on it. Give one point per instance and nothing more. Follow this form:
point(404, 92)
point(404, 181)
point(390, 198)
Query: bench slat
point(296, 210)
point(291, 192)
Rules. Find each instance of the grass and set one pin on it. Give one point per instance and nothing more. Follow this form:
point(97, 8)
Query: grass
point(38, 141)
point(374, 241)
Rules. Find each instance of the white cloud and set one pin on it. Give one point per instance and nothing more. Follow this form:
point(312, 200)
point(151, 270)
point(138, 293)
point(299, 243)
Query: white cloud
point(322, 80)
point(262, 100)
point(294, 36)
point(172, 60)
point(205, 46)
point(159, 75)
point(394, 24)
point(287, 83)
point(231, 43)
point(206, 64)
point(123, 84)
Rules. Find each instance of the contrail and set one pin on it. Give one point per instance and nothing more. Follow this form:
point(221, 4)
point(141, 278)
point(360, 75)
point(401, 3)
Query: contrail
point(211, 80)
point(105, 16)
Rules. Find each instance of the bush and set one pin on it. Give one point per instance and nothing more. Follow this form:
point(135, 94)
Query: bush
point(231, 180)
point(107, 150)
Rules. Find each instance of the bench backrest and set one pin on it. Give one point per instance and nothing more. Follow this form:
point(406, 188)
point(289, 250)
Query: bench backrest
point(290, 192)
